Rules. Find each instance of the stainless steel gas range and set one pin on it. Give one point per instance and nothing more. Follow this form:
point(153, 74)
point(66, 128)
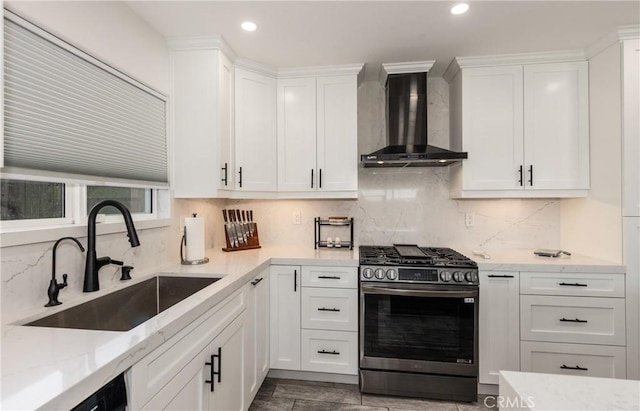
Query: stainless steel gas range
point(418, 322)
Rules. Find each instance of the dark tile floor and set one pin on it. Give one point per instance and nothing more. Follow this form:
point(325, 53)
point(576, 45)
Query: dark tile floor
point(295, 395)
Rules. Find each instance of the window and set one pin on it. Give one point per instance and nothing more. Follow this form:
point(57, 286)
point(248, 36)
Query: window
point(137, 200)
point(28, 200)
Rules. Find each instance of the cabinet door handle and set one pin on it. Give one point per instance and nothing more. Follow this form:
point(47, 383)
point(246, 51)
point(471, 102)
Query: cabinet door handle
point(573, 284)
point(500, 276)
point(337, 310)
point(256, 281)
point(295, 280)
point(568, 320)
point(328, 277)
point(531, 175)
point(334, 352)
point(320, 178)
point(521, 175)
point(577, 367)
point(213, 373)
point(312, 178)
point(226, 170)
point(240, 180)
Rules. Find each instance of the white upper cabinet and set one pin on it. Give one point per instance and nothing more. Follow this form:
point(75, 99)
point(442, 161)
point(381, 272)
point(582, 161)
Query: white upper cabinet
point(631, 126)
point(255, 137)
point(525, 127)
point(202, 89)
point(318, 135)
point(556, 126)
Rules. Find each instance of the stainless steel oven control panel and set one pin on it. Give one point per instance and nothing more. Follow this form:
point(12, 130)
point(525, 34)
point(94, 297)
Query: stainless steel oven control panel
point(430, 275)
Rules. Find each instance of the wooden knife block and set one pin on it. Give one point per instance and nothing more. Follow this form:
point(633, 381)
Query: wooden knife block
point(252, 240)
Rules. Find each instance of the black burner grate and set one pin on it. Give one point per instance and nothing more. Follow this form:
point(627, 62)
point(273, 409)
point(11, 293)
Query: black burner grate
point(433, 256)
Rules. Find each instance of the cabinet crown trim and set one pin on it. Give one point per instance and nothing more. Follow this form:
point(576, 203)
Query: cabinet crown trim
point(320, 71)
point(511, 59)
point(405, 67)
point(621, 33)
point(201, 43)
point(256, 67)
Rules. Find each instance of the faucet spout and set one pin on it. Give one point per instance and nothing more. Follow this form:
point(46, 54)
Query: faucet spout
point(93, 264)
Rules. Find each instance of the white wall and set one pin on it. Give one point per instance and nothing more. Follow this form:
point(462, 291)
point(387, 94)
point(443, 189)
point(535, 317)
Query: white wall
point(593, 225)
point(113, 33)
point(109, 31)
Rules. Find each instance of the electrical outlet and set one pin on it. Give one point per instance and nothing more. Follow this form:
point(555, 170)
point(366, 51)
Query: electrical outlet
point(297, 217)
point(469, 219)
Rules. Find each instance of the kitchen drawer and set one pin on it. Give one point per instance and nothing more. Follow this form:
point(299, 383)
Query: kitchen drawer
point(330, 277)
point(572, 319)
point(574, 284)
point(330, 309)
point(330, 351)
point(574, 359)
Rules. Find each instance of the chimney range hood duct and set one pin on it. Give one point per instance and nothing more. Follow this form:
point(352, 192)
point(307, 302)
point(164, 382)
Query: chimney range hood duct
point(406, 115)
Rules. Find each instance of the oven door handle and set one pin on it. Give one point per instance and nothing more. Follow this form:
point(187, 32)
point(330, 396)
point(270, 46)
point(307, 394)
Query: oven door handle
point(416, 292)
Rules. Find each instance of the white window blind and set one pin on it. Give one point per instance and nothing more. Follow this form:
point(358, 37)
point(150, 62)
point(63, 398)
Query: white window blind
point(67, 112)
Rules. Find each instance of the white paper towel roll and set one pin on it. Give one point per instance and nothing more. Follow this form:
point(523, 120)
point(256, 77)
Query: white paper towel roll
point(194, 227)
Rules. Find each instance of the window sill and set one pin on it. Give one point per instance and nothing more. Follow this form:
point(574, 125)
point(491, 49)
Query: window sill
point(42, 234)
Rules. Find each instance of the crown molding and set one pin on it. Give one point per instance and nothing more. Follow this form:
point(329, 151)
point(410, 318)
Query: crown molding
point(512, 59)
point(404, 68)
point(320, 71)
point(201, 43)
point(613, 37)
point(256, 67)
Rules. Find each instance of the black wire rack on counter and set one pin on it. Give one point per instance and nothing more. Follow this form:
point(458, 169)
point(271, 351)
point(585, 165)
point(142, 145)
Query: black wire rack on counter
point(333, 222)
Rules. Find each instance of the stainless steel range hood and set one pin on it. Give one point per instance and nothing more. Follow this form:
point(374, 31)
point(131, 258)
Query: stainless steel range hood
point(406, 115)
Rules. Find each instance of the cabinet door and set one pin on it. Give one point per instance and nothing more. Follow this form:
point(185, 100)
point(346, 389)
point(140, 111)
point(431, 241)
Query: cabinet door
point(196, 112)
point(297, 134)
point(228, 387)
point(631, 126)
point(632, 300)
point(255, 142)
point(337, 144)
point(187, 390)
point(499, 336)
point(284, 323)
point(556, 118)
point(492, 127)
point(225, 126)
point(257, 355)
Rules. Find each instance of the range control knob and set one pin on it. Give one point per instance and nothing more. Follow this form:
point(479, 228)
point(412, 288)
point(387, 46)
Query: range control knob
point(458, 277)
point(379, 273)
point(367, 273)
point(471, 276)
point(445, 276)
point(392, 274)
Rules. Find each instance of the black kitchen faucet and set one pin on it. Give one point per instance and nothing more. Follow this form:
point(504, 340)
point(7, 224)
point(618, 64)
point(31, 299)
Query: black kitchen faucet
point(94, 263)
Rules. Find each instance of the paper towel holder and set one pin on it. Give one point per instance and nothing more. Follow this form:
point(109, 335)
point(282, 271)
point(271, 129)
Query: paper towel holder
point(183, 244)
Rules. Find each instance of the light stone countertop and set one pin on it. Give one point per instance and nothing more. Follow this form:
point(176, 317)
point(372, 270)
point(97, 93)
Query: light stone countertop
point(55, 368)
point(538, 392)
point(525, 260)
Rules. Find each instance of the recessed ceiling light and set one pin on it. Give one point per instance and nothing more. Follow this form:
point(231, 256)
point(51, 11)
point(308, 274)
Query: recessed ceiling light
point(249, 26)
point(460, 8)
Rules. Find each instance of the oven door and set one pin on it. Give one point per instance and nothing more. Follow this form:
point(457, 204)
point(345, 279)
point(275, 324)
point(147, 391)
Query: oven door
point(419, 328)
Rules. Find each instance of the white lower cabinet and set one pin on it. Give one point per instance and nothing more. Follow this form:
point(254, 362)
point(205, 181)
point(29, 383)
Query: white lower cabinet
point(574, 359)
point(314, 318)
point(179, 375)
point(257, 354)
point(499, 332)
point(330, 351)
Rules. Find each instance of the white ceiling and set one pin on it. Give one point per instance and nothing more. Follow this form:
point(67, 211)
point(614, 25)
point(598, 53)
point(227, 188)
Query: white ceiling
point(310, 33)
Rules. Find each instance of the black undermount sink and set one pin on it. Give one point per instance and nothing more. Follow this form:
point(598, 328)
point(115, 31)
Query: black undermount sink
point(127, 308)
